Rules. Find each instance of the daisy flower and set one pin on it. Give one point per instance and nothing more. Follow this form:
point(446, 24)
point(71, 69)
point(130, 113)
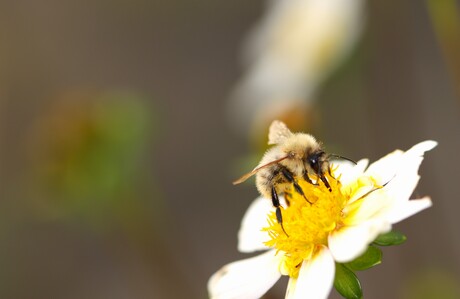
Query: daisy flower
point(324, 238)
point(289, 53)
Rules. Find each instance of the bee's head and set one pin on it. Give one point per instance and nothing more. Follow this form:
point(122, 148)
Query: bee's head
point(318, 162)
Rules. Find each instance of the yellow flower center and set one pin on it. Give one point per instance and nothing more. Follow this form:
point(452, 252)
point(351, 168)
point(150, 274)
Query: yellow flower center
point(307, 225)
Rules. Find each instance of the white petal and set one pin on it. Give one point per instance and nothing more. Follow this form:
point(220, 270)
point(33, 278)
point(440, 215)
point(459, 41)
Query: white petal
point(384, 169)
point(291, 288)
point(250, 236)
point(350, 242)
point(245, 279)
point(401, 212)
point(316, 277)
point(406, 176)
point(401, 187)
point(423, 147)
point(374, 206)
point(348, 172)
point(400, 171)
point(399, 163)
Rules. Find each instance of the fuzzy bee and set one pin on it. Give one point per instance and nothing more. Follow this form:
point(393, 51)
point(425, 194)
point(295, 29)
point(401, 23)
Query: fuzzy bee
point(294, 155)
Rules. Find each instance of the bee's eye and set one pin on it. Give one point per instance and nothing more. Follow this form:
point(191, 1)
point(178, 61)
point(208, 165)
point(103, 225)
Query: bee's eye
point(313, 160)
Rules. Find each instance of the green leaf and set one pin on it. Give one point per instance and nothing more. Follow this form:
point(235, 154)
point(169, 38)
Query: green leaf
point(372, 257)
point(391, 238)
point(346, 283)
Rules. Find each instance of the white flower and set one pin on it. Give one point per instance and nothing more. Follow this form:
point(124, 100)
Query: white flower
point(337, 227)
point(290, 52)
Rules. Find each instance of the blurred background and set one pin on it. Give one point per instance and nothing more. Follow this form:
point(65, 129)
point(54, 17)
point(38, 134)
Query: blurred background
point(123, 124)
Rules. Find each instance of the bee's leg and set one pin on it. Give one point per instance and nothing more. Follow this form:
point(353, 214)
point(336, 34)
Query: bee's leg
point(276, 204)
point(290, 177)
point(326, 183)
point(307, 178)
point(288, 197)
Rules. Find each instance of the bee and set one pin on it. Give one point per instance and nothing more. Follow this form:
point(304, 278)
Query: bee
point(294, 155)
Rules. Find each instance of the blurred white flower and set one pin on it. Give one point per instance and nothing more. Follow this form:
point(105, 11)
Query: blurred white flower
point(290, 52)
point(337, 227)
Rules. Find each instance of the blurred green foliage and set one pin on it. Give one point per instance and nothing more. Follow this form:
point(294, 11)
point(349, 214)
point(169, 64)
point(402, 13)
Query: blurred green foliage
point(431, 284)
point(89, 152)
point(445, 18)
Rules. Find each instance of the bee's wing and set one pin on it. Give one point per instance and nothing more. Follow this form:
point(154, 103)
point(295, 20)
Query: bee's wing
point(278, 132)
point(253, 172)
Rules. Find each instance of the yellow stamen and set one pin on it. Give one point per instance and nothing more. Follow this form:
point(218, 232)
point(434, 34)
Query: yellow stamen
point(308, 225)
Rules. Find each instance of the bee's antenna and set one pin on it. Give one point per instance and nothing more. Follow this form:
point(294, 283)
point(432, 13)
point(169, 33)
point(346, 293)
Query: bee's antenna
point(344, 158)
point(376, 188)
